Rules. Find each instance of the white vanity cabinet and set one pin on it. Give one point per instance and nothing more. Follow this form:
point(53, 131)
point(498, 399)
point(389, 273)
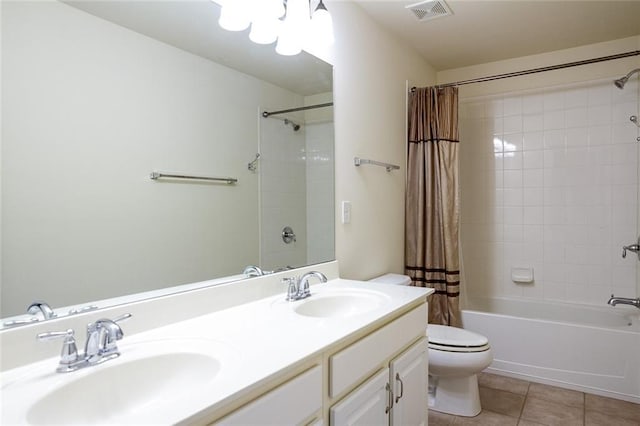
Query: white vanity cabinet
point(295, 402)
point(376, 377)
point(396, 395)
point(409, 375)
point(367, 405)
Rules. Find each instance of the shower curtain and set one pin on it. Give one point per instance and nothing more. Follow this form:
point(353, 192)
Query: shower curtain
point(432, 201)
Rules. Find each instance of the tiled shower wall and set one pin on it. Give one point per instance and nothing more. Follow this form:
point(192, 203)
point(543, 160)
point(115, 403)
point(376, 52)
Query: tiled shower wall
point(283, 189)
point(320, 193)
point(549, 181)
point(296, 174)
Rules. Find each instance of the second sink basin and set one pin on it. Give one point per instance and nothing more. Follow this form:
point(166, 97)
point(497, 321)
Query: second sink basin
point(341, 303)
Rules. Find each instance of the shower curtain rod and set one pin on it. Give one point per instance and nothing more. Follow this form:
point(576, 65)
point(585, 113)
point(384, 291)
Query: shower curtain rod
point(266, 114)
point(537, 70)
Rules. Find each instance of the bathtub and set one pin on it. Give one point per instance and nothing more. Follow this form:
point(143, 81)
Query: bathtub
point(590, 349)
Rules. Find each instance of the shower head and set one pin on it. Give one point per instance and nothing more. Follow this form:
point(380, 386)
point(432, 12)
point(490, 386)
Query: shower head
point(623, 80)
point(293, 125)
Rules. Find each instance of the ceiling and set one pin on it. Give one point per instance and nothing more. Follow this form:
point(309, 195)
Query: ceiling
point(481, 31)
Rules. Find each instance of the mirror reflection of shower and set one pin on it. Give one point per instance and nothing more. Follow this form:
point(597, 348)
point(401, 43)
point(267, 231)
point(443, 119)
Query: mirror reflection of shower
point(293, 125)
point(288, 122)
point(296, 166)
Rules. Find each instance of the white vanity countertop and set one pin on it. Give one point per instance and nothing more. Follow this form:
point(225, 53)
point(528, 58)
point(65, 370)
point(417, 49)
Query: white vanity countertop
point(253, 343)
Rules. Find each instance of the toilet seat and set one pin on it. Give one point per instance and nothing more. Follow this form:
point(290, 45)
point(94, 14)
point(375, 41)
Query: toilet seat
point(453, 339)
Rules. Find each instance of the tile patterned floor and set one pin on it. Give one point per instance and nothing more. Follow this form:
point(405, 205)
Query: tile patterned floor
point(512, 402)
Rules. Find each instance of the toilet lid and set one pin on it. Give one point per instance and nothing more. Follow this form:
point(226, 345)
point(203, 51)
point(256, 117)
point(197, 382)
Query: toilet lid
point(442, 335)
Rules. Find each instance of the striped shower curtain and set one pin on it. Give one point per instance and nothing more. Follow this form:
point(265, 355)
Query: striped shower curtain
point(432, 201)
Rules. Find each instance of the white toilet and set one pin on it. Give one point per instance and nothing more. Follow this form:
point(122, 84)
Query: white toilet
point(456, 356)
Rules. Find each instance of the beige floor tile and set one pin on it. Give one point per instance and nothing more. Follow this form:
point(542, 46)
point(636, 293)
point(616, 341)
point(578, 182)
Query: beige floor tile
point(486, 418)
point(555, 394)
point(440, 419)
point(501, 402)
point(551, 413)
point(523, 422)
point(508, 384)
point(594, 418)
point(612, 407)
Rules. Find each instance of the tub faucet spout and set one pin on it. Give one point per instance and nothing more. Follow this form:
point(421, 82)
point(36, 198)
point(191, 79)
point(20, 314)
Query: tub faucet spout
point(613, 301)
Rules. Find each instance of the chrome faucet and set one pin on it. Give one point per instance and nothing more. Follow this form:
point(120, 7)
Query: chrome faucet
point(41, 307)
point(253, 271)
point(613, 301)
point(102, 336)
point(101, 345)
point(298, 288)
point(303, 284)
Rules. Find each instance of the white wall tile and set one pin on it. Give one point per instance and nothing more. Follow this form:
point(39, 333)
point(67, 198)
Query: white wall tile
point(513, 124)
point(599, 94)
point(553, 100)
point(533, 159)
point(564, 193)
point(512, 105)
point(599, 115)
point(533, 103)
point(553, 120)
point(599, 135)
point(554, 139)
point(533, 140)
point(576, 117)
point(533, 197)
point(575, 97)
point(533, 215)
point(533, 122)
point(512, 160)
point(624, 133)
point(533, 178)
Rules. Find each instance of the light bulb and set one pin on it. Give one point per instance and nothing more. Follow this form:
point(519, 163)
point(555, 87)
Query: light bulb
point(321, 26)
point(288, 42)
point(321, 33)
point(233, 16)
point(265, 31)
point(298, 15)
point(268, 9)
point(294, 28)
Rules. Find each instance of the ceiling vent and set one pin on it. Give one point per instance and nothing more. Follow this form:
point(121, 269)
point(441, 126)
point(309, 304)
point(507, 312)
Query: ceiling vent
point(428, 10)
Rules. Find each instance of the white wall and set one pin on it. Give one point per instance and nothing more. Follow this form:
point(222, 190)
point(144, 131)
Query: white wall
point(371, 69)
point(89, 110)
point(549, 177)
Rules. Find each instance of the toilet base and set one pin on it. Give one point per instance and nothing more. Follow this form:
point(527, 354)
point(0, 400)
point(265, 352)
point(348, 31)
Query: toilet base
point(455, 395)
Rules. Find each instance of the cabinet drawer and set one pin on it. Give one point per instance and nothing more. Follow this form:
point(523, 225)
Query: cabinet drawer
point(289, 404)
point(354, 363)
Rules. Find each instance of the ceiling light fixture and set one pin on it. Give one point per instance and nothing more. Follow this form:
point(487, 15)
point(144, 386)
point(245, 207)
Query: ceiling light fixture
point(289, 22)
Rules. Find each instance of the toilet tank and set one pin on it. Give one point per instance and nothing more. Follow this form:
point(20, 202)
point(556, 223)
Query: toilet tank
point(395, 279)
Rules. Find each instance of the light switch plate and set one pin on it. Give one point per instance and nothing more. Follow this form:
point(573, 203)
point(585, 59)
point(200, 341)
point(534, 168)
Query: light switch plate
point(346, 212)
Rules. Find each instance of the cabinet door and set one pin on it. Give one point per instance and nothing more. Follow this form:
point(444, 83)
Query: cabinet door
point(289, 404)
point(366, 406)
point(409, 378)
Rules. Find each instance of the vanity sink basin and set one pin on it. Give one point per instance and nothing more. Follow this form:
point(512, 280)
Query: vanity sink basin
point(145, 384)
point(341, 304)
point(129, 386)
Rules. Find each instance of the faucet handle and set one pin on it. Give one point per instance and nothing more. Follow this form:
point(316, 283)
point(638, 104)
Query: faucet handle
point(292, 288)
point(69, 353)
point(122, 317)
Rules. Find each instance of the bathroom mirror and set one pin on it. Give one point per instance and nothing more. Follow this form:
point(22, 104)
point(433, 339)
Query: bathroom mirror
point(98, 95)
